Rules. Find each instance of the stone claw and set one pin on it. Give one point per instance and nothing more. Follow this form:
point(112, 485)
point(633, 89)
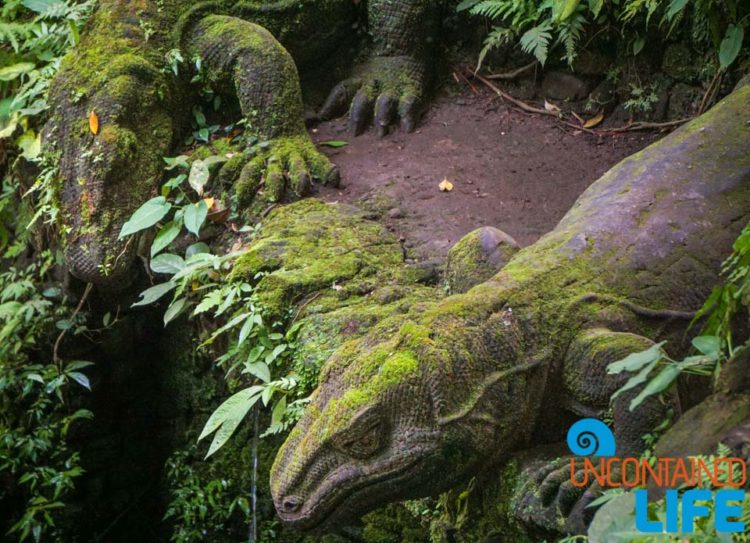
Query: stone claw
point(389, 93)
point(285, 169)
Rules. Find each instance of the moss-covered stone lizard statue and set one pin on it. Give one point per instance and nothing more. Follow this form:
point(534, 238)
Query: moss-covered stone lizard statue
point(426, 399)
point(250, 51)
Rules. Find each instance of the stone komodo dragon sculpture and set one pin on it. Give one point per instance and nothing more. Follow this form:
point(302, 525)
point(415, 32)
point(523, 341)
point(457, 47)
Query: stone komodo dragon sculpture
point(426, 399)
point(250, 51)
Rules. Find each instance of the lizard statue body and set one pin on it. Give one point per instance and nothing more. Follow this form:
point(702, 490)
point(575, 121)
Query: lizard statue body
point(425, 400)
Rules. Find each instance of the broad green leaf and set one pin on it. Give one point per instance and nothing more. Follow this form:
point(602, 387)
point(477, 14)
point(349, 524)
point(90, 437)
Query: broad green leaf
point(730, 45)
point(167, 263)
point(31, 144)
point(174, 310)
point(267, 395)
point(215, 159)
point(228, 416)
point(78, 364)
point(197, 249)
point(658, 384)
point(81, 379)
point(637, 380)
point(596, 7)
point(245, 331)
point(167, 234)
point(154, 293)
point(235, 404)
point(146, 216)
point(259, 370)
point(334, 143)
point(278, 411)
point(635, 361)
point(200, 118)
point(198, 177)
point(195, 216)
point(614, 519)
point(708, 345)
point(638, 44)
point(176, 162)
point(568, 7)
point(44, 6)
point(275, 353)
point(675, 7)
point(9, 73)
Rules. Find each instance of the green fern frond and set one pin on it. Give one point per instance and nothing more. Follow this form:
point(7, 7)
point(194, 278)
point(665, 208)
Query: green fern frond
point(14, 34)
point(570, 34)
point(536, 41)
point(497, 38)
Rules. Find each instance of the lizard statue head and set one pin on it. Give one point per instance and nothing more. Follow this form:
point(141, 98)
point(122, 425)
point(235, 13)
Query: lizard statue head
point(376, 430)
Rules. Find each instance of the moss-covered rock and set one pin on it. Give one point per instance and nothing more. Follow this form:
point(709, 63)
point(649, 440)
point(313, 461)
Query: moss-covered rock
point(336, 271)
point(478, 256)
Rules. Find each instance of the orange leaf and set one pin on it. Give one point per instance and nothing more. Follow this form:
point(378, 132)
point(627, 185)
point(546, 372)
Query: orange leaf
point(94, 122)
point(593, 121)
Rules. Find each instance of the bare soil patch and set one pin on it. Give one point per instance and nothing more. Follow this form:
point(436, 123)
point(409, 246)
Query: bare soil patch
point(515, 171)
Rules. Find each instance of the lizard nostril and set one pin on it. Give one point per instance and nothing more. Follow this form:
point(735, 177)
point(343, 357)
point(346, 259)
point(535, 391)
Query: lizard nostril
point(291, 504)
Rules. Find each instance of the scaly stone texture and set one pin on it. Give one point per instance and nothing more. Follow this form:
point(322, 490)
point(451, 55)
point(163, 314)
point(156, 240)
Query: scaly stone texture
point(250, 52)
point(427, 398)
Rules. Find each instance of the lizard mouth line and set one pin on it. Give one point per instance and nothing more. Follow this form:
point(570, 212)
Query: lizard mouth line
point(326, 510)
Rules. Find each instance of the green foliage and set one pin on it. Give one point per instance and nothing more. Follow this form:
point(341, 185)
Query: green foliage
point(654, 368)
point(253, 351)
point(198, 508)
point(37, 393)
point(541, 27)
point(34, 36)
point(729, 301)
point(642, 99)
point(39, 389)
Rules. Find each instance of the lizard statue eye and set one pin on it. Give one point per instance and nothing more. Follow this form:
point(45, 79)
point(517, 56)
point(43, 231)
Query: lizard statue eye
point(365, 437)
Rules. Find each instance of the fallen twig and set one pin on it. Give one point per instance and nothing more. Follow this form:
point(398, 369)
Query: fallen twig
point(507, 76)
point(458, 76)
point(630, 127)
point(710, 93)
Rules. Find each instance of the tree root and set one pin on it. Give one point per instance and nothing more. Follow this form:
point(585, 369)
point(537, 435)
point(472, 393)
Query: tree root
point(630, 127)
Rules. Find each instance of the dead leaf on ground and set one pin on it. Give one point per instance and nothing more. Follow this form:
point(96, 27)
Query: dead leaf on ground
point(552, 108)
point(93, 122)
point(445, 185)
point(594, 121)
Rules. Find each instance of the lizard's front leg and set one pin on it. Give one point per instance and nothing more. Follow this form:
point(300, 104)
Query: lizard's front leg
point(550, 499)
point(391, 87)
point(263, 76)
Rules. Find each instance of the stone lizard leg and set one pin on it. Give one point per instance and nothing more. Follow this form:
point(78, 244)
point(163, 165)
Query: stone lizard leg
point(265, 80)
point(392, 86)
point(111, 125)
point(588, 388)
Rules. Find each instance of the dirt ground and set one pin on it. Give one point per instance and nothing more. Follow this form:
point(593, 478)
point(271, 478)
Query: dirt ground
point(511, 170)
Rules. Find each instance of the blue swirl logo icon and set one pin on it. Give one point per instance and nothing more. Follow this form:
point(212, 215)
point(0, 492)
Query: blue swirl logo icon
point(591, 437)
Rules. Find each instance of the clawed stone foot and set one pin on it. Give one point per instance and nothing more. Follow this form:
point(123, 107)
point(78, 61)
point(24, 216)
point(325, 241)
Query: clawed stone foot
point(285, 168)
